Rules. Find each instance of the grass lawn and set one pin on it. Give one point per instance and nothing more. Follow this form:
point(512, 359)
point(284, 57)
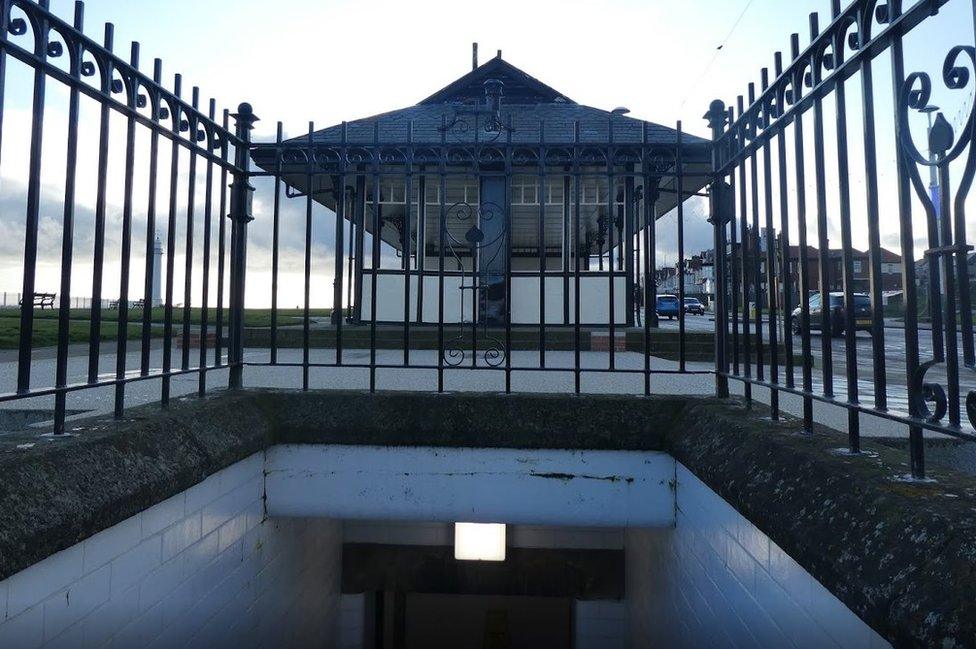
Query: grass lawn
point(252, 317)
point(46, 332)
point(46, 323)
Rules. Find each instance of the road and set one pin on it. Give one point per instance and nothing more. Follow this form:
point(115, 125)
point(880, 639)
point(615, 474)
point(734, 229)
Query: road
point(895, 355)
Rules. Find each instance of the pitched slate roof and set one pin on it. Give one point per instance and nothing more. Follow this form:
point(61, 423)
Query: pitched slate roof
point(530, 104)
point(520, 88)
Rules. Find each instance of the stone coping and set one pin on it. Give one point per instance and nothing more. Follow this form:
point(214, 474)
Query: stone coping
point(901, 555)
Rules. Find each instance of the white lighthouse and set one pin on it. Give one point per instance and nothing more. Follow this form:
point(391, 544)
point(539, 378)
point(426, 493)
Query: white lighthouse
point(157, 283)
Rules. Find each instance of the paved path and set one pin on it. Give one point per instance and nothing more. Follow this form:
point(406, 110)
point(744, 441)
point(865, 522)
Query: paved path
point(101, 400)
point(896, 374)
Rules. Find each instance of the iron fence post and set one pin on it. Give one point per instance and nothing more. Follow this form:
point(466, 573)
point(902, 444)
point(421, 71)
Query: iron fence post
point(717, 117)
point(241, 194)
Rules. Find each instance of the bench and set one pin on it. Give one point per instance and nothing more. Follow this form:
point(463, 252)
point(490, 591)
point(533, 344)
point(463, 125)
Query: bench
point(42, 300)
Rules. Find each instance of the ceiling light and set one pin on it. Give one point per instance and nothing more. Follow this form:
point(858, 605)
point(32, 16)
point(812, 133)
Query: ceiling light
point(479, 541)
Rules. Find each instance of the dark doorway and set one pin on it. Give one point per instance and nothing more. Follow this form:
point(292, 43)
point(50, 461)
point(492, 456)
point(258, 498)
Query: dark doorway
point(493, 252)
point(435, 621)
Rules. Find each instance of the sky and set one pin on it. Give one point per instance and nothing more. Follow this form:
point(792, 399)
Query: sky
point(297, 61)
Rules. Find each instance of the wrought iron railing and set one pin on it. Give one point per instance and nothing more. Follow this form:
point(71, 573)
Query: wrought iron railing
point(57, 54)
point(454, 271)
point(762, 148)
point(529, 238)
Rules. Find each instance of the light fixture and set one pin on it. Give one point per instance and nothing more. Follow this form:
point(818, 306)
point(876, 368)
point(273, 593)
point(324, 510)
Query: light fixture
point(479, 541)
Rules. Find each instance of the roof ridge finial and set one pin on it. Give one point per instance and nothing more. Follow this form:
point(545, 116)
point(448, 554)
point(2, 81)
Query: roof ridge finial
point(474, 56)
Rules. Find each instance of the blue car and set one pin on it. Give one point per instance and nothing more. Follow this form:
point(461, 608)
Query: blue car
point(667, 305)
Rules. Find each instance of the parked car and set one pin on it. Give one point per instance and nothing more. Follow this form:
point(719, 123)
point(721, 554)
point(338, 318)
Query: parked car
point(693, 305)
point(667, 305)
point(862, 313)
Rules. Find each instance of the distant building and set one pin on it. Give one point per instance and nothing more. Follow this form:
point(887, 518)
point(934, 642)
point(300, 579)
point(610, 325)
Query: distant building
point(699, 277)
point(809, 260)
point(922, 271)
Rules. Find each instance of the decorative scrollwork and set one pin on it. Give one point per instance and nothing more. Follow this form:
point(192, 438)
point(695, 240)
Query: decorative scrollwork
point(660, 160)
point(945, 213)
point(481, 250)
point(59, 45)
point(327, 159)
point(359, 155)
point(473, 126)
point(625, 155)
point(559, 156)
point(392, 155)
point(293, 156)
point(490, 155)
point(525, 156)
point(426, 155)
point(592, 155)
point(460, 156)
point(915, 95)
point(17, 27)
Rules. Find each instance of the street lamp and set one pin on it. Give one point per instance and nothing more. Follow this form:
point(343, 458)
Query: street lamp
point(934, 190)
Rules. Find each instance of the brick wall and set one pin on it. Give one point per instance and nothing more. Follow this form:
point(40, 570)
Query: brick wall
point(716, 580)
point(202, 569)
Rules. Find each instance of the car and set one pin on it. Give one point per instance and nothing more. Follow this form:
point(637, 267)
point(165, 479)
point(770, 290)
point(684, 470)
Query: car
point(667, 305)
point(862, 313)
point(693, 305)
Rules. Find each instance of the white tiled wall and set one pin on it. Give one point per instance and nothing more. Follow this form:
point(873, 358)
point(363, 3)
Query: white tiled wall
point(715, 580)
point(202, 569)
point(600, 624)
point(351, 626)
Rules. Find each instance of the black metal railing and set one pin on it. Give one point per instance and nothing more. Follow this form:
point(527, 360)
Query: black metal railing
point(541, 220)
point(61, 59)
point(763, 150)
point(427, 232)
point(479, 242)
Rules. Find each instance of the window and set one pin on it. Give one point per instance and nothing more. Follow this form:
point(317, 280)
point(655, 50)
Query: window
point(857, 266)
point(593, 191)
point(554, 190)
point(461, 190)
point(392, 191)
point(525, 190)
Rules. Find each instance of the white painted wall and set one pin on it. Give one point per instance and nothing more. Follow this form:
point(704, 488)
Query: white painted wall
point(594, 309)
point(611, 488)
point(601, 624)
point(209, 568)
point(389, 298)
point(204, 568)
point(715, 580)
